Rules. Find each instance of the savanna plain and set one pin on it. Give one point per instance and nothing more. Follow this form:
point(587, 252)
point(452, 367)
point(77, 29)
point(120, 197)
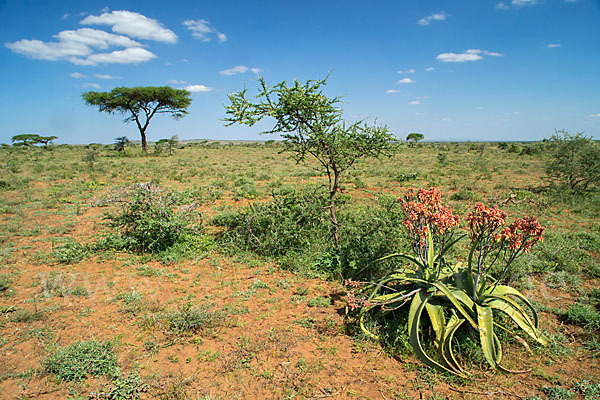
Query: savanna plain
point(210, 273)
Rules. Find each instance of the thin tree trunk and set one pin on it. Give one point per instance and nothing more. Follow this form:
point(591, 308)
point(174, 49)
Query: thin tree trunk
point(144, 142)
point(332, 192)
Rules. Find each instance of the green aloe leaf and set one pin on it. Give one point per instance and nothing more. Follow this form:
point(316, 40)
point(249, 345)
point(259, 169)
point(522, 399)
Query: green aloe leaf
point(486, 334)
point(414, 320)
point(402, 255)
point(457, 297)
point(438, 321)
point(509, 291)
point(446, 349)
point(518, 315)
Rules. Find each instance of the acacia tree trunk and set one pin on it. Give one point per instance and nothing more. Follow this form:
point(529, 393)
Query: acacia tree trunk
point(144, 142)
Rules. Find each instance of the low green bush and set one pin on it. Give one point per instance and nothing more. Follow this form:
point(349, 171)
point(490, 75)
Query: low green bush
point(584, 315)
point(150, 222)
point(82, 359)
point(292, 222)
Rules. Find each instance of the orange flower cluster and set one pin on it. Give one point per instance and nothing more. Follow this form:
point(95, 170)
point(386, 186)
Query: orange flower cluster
point(425, 211)
point(522, 234)
point(483, 221)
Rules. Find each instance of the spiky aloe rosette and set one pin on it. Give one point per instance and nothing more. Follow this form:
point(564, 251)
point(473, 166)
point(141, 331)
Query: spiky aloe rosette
point(451, 295)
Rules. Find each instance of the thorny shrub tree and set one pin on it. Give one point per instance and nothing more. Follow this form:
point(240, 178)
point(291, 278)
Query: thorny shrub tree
point(141, 103)
point(575, 160)
point(311, 124)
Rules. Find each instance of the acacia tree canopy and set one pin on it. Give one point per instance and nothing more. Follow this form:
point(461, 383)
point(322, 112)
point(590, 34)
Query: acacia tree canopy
point(141, 104)
point(415, 137)
point(311, 124)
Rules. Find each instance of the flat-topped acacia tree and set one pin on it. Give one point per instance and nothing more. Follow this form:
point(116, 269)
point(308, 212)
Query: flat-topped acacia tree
point(141, 103)
point(311, 124)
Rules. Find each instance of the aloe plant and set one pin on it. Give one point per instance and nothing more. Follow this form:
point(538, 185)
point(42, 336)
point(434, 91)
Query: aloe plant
point(454, 294)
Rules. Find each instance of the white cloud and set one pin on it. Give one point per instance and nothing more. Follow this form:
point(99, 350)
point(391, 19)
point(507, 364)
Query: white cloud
point(521, 3)
point(463, 57)
point(133, 55)
point(429, 69)
point(405, 80)
point(78, 46)
point(133, 24)
point(175, 82)
point(552, 45)
point(91, 85)
point(517, 4)
point(441, 16)
point(77, 75)
point(407, 71)
point(414, 102)
point(202, 30)
point(469, 55)
point(221, 37)
point(597, 115)
point(95, 38)
point(390, 91)
point(240, 69)
point(198, 88)
point(104, 76)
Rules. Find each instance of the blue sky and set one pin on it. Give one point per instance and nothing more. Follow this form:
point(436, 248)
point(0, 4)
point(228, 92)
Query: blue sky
point(452, 70)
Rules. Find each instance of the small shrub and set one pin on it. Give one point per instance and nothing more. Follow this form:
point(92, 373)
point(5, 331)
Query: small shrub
point(82, 359)
point(574, 161)
point(150, 223)
point(466, 194)
point(189, 319)
point(70, 253)
point(4, 283)
point(293, 222)
point(368, 233)
point(126, 388)
point(558, 393)
point(583, 315)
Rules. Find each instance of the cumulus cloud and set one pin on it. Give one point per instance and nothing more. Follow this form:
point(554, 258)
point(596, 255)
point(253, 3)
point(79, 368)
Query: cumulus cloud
point(133, 24)
point(133, 55)
point(105, 76)
point(429, 69)
point(239, 69)
point(414, 102)
point(71, 44)
point(390, 91)
point(407, 71)
point(405, 80)
point(77, 75)
point(198, 88)
point(469, 55)
point(90, 85)
point(552, 45)
point(441, 16)
point(80, 46)
point(202, 30)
